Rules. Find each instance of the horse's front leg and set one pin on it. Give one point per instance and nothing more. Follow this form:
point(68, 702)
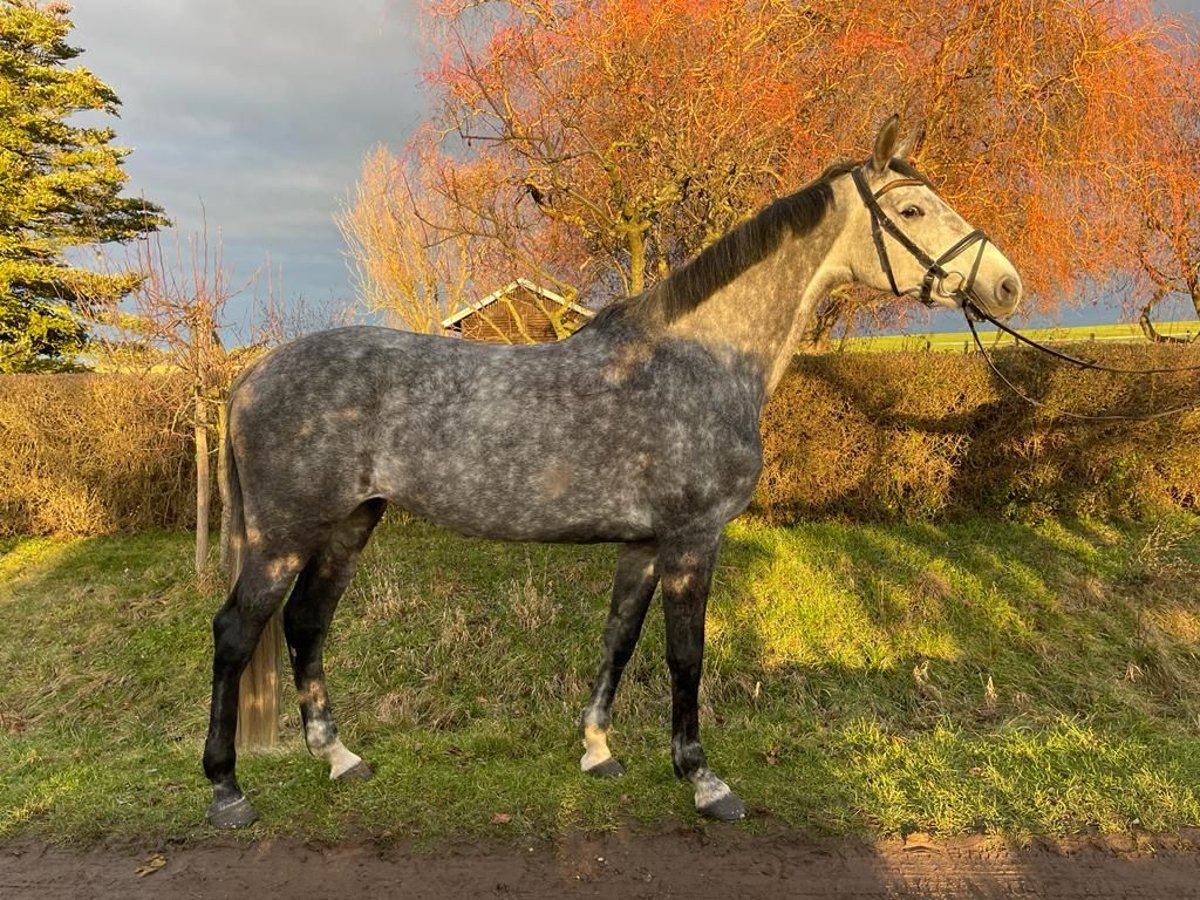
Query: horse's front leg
point(686, 568)
point(633, 587)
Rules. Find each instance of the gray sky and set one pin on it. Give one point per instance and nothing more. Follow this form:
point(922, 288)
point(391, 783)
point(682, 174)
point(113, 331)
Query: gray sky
point(261, 110)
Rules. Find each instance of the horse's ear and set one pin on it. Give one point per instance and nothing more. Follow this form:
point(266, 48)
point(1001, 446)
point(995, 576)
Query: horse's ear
point(885, 143)
point(910, 144)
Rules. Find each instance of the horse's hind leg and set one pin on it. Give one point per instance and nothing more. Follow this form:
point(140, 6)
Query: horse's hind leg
point(306, 621)
point(633, 587)
point(236, 629)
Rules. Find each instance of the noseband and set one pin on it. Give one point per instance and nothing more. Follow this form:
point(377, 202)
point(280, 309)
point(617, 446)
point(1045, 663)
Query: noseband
point(964, 293)
point(934, 268)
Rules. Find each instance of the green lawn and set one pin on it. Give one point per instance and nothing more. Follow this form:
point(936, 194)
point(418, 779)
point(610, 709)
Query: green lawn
point(981, 676)
point(960, 341)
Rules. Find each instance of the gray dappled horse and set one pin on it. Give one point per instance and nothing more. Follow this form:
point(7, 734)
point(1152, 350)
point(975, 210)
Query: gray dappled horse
point(642, 428)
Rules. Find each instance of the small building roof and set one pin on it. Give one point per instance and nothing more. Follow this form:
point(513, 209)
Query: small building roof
point(453, 319)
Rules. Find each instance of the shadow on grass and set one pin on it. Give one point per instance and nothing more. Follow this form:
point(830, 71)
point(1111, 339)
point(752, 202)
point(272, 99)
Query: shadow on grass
point(969, 677)
point(978, 676)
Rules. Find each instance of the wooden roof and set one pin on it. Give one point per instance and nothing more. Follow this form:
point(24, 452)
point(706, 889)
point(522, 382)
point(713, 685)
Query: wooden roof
point(528, 312)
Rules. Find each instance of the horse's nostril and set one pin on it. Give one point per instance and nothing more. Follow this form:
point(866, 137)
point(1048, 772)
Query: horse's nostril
point(1010, 289)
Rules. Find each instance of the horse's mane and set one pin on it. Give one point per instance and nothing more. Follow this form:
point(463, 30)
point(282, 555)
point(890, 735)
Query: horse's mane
point(724, 260)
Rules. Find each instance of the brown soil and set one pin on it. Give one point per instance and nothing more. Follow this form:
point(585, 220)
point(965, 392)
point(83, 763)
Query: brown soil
point(713, 863)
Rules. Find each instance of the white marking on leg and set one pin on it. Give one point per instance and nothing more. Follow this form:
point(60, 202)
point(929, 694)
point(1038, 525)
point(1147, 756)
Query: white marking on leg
point(595, 746)
point(340, 759)
point(709, 788)
point(318, 736)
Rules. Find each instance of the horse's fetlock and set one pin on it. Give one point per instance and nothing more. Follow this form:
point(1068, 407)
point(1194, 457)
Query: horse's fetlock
point(594, 717)
point(687, 758)
point(319, 735)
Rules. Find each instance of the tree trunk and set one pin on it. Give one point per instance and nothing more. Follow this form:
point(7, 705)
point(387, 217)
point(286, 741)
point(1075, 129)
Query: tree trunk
point(637, 258)
point(203, 480)
point(1147, 323)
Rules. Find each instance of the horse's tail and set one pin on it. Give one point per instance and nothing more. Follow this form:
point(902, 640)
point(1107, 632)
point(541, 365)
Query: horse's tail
point(258, 695)
point(233, 521)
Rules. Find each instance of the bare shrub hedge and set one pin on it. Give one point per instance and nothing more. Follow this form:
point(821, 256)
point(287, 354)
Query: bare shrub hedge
point(919, 436)
point(861, 436)
point(90, 454)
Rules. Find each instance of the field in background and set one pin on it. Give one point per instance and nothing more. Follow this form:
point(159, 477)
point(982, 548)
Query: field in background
point(980, 676)
point(960, 341)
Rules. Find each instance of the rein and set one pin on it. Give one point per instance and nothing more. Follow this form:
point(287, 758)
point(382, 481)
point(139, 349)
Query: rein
point(964, 293)
point(972, 311)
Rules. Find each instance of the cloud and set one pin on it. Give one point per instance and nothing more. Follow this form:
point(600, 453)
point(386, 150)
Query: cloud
point(262, 111)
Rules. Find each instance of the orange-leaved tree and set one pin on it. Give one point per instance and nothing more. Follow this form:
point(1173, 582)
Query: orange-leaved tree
point(1039, 116)
point(596, 145)
point(1163, 207)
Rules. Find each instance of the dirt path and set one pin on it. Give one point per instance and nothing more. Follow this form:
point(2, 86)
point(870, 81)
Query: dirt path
point(717, 863)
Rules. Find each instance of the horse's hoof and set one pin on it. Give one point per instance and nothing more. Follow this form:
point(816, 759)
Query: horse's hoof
point(231, 814)
point(360, 771)
point(610, 768)
point(728, 808)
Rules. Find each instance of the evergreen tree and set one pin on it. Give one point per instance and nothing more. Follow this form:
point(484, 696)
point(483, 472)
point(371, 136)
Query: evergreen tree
point(60, 186)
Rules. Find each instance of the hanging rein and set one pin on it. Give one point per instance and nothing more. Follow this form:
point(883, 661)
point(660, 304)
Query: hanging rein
point(964, 293)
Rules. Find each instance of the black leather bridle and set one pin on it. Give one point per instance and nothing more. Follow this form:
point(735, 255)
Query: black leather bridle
point(934, 268)
point(964, 293)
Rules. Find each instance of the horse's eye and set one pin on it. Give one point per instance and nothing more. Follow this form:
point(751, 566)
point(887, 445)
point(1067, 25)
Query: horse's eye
point(912, 212)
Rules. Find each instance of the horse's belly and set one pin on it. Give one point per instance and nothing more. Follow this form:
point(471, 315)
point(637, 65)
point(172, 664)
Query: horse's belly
point(533, 502)
point(525, 521)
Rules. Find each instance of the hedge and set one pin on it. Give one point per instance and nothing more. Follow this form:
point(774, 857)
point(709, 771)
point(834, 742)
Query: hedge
point(923, 436)
point(860, 436)
point(90, 454)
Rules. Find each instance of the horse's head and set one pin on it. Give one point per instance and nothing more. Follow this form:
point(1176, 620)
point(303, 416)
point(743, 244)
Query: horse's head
point(907, 239)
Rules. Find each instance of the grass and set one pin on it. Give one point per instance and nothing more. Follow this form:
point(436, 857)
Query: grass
point(980, 676)
point(961, 341)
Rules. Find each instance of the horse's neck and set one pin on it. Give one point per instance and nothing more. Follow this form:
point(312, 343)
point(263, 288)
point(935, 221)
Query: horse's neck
point(761, 315)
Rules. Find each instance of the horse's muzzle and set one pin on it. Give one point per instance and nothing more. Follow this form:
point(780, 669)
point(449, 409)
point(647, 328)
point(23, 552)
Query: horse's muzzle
point(1002, 300)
